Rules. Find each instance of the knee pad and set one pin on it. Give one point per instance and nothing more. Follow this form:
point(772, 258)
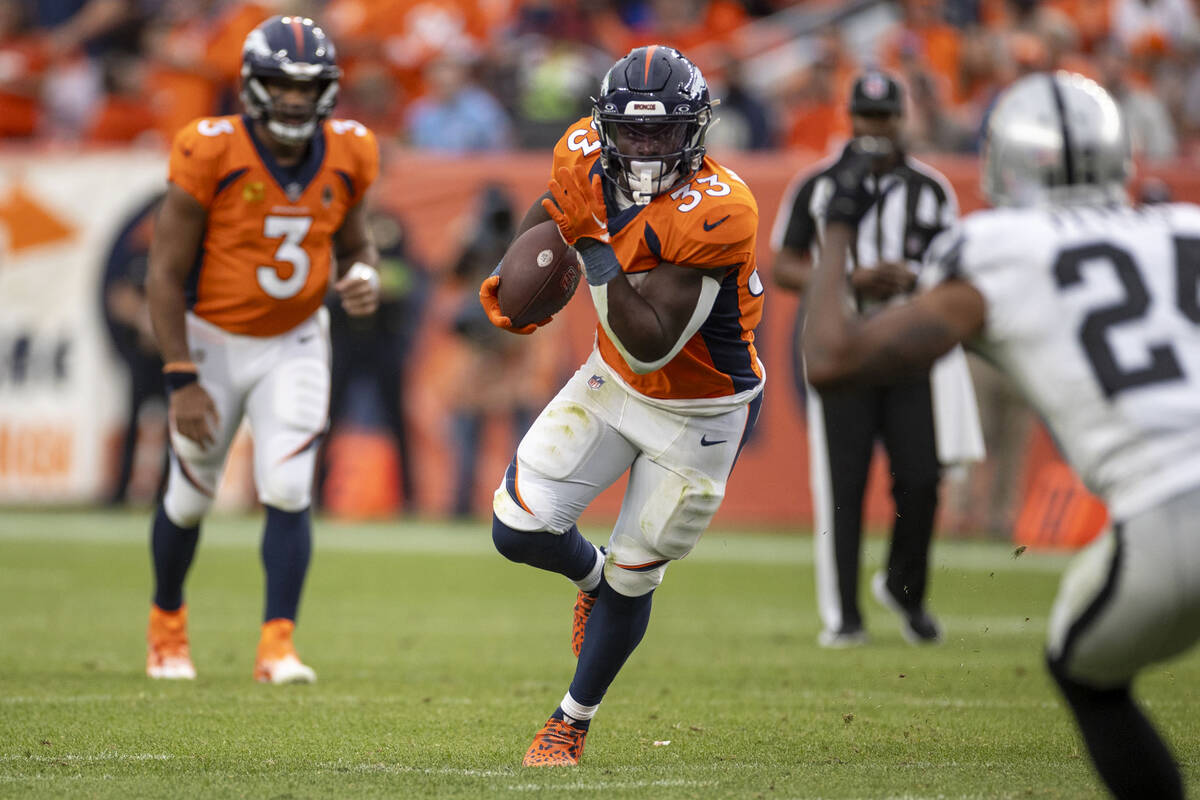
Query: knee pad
point(634, 580)
point(288, 486)
point(284, 479)
point(506, 510)
point(677, 514)
point(183, 504)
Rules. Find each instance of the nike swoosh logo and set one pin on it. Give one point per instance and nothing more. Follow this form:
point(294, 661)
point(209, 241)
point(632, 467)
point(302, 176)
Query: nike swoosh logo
point(704, 442)
point(307, 338)
point(709, 227)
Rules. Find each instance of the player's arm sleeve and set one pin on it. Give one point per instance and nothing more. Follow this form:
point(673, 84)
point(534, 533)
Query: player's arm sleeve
point(576, 147)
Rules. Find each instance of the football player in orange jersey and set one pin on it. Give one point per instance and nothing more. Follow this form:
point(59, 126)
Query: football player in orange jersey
point(672, 388)
point(240, 262)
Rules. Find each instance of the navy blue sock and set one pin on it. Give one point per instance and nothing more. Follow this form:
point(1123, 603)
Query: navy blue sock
point(171, 550)
point(286, 549)
point(567, 553)
point(614, 628)
point(1130, 756)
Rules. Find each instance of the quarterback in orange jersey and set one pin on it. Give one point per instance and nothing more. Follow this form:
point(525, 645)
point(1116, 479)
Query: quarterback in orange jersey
point(672, 388)
point(257, 206)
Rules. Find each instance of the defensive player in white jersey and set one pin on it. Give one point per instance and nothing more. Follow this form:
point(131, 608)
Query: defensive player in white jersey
point(1093, 308)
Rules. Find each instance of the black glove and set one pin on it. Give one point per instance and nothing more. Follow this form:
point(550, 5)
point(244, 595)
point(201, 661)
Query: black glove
point(851, 199)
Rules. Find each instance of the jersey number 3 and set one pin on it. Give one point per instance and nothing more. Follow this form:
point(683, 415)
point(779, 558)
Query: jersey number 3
point(1162, 363)
point(292, 230)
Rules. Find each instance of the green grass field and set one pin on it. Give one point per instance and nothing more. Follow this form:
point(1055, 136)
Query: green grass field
point(438, 660)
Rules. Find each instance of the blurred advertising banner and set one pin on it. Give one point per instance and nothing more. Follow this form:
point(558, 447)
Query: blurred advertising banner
point(61, 387)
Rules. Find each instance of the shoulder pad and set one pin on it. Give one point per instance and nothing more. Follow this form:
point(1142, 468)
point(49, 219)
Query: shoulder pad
point(579, 145)
point(359, 143)
point(714, 234)
point(207, 137)
point(197, 154)
point(354, 133)
point(726, 222)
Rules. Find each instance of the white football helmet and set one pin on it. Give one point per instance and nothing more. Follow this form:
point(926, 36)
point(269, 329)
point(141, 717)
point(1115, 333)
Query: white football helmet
point(1056, 139)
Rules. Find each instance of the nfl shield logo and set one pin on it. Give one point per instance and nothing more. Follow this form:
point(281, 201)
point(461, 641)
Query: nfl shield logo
point(595, 382)
point(294, 191)
point(874, 86)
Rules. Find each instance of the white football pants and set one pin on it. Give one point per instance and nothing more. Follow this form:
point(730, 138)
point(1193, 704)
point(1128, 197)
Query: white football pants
point(281, 385)
point(589, 435)
point(1132, 598)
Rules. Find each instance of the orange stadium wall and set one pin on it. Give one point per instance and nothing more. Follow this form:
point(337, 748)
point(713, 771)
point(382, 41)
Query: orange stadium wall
point(60, 213)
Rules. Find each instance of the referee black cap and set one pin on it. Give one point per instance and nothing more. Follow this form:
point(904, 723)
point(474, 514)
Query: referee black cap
point(876, 92)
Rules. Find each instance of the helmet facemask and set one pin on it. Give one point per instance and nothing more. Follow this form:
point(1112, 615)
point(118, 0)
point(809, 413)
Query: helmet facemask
point(651, 155)
point(283, 122)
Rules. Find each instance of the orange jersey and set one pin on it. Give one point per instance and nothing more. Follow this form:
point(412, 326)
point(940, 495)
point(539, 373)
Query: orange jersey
point(709, 223)
point(263, 265)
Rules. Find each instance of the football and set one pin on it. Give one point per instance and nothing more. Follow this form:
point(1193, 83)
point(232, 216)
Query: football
point(538, 275)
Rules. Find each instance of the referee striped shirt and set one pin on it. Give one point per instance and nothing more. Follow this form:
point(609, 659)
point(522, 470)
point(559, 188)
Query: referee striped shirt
point(913, 204)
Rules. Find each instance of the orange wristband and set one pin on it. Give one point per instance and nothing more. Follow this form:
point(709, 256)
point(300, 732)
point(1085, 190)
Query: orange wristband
point(179, 366)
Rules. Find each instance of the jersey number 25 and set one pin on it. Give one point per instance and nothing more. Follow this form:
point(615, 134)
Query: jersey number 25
point(1162, 363)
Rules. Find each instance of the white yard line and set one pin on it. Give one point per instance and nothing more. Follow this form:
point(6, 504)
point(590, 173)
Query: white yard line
point(88, 759)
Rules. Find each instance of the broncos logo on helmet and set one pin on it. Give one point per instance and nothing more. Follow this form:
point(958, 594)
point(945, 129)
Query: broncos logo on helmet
point(293, 50)
point(652, 115)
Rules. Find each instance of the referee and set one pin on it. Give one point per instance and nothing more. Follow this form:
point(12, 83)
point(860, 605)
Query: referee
point(913, 203)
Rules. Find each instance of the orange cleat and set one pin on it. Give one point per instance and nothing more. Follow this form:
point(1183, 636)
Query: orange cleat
point(557, 744)
point(277, 661)
point(583, 609)
point(167, 654)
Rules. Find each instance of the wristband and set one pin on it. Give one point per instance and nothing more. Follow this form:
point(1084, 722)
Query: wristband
point(178, 380)
point(599, 260)
point(178, 374)
point(179, 366)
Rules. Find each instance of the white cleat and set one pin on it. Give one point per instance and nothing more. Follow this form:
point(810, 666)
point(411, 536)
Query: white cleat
point(167, 654)
point(284, 670)
point(172, 668)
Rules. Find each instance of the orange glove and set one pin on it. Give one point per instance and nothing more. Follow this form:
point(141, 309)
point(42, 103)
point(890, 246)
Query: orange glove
point(575, 205)
point(489, 298)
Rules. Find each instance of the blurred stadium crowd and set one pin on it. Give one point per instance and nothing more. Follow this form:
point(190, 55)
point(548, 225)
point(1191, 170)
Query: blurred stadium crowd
point(475, 75)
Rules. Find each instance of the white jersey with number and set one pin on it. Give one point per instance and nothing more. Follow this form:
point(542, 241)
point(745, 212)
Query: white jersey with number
point(1095, 314)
